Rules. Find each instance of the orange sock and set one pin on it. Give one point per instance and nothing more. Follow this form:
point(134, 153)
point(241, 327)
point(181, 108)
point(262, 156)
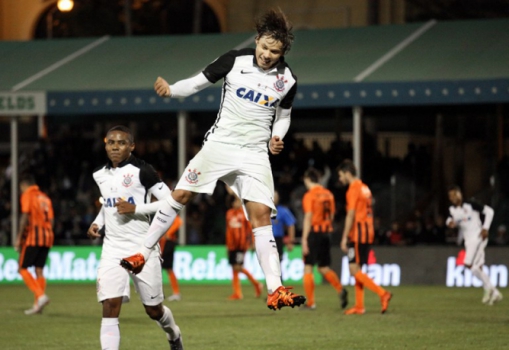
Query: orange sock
point(309, 288)
point(250, 277)
point(236, 284)
point(31, 283)
point(41, 281)
point(369, 283)
point(333, 280)
point(174, 282)
point(359, 294)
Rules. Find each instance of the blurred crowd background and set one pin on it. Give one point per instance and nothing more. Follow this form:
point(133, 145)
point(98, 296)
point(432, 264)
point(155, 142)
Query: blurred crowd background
point(405, 205)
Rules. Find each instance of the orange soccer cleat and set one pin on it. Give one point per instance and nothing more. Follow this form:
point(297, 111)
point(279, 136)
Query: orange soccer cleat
point(133, 263)
point(384, 300)
point(283, 297)
point(235, 297)
point(355, 311)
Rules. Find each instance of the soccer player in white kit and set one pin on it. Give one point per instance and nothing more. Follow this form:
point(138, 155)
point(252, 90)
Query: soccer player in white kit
point(473, 221)
point(130, 181)
point(254, 116)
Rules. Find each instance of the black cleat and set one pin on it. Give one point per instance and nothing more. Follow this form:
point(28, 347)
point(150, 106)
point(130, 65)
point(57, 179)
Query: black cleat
point(343, 298)
point(177, 344)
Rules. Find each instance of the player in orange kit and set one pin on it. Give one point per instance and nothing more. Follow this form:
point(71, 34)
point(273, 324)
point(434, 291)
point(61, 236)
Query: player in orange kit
point(358, 234)
point(319, 209)
point(168, 243)
point(34, 240)
point(239, 238)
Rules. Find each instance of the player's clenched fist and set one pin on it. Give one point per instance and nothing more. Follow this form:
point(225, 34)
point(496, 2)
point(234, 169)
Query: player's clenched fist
point(162, 87)
point(93, 231)
point(276, 145)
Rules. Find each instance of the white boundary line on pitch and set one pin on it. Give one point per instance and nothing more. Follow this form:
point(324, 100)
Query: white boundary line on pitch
point(382, 60)
point(60, 63)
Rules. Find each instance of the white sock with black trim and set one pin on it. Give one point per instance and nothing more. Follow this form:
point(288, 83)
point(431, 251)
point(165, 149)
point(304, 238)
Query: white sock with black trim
point(162, 221)
point(479, 273)
point(167, 323)
point(268, 257)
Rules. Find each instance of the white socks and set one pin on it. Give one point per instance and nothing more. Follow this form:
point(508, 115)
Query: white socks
point(479, 273)
point(268, 257)
point(167, 323)
point(162, 221)
point(110, 334)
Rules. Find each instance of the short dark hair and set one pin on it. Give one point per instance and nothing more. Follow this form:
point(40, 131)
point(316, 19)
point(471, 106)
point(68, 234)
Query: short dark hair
point(454, 188)
point(27, 179)
point(123, 129)
point(313, 175)
point(274, 24)
point(348, 165)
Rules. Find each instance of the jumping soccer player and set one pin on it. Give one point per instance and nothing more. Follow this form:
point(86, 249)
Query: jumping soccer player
point(254, 116)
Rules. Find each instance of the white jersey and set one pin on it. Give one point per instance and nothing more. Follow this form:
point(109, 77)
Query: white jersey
point(134, 181)
point(249, 99)
point(470, 218)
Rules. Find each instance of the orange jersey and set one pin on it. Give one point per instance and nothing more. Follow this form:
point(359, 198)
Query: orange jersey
point(358, 198)
point(320, 202)
point(38, 207)
point(238, 230)
point(171, 234)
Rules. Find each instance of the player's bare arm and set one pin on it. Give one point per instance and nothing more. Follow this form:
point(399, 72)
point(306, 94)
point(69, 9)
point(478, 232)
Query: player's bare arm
point(306, 229)
point(350, 215)
point(276, 145)
point(484, 233)
point(93, 231)
point(162, 87)
point(23, 221)
point(291, 238)
point(124, 207)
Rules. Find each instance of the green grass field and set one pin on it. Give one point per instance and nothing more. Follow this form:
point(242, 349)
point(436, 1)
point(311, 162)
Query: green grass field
point(418, 318)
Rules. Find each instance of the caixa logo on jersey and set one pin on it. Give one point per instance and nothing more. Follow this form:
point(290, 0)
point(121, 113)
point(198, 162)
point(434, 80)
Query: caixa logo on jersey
point(110, 202)
point(257, 97)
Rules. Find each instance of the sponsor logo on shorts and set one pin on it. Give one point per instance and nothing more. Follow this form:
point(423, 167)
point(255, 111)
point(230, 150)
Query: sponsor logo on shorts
point(192, 176)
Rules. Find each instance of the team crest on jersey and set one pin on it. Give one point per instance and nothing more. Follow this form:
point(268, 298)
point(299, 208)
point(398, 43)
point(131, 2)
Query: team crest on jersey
point(192, 176)
point(279, 85)
point(128, 180)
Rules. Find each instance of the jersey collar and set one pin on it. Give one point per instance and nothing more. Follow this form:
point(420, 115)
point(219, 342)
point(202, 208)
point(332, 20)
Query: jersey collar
point(280, 66)
point(129, 160)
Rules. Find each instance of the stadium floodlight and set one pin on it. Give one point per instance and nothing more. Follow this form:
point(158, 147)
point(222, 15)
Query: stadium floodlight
point(65, 5)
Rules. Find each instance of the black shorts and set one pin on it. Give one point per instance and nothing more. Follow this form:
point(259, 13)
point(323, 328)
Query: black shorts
point(358, 253)
point(33, 256)
point(236, 257)
point(319, 250)
point(168, 254)
point(279, 244)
